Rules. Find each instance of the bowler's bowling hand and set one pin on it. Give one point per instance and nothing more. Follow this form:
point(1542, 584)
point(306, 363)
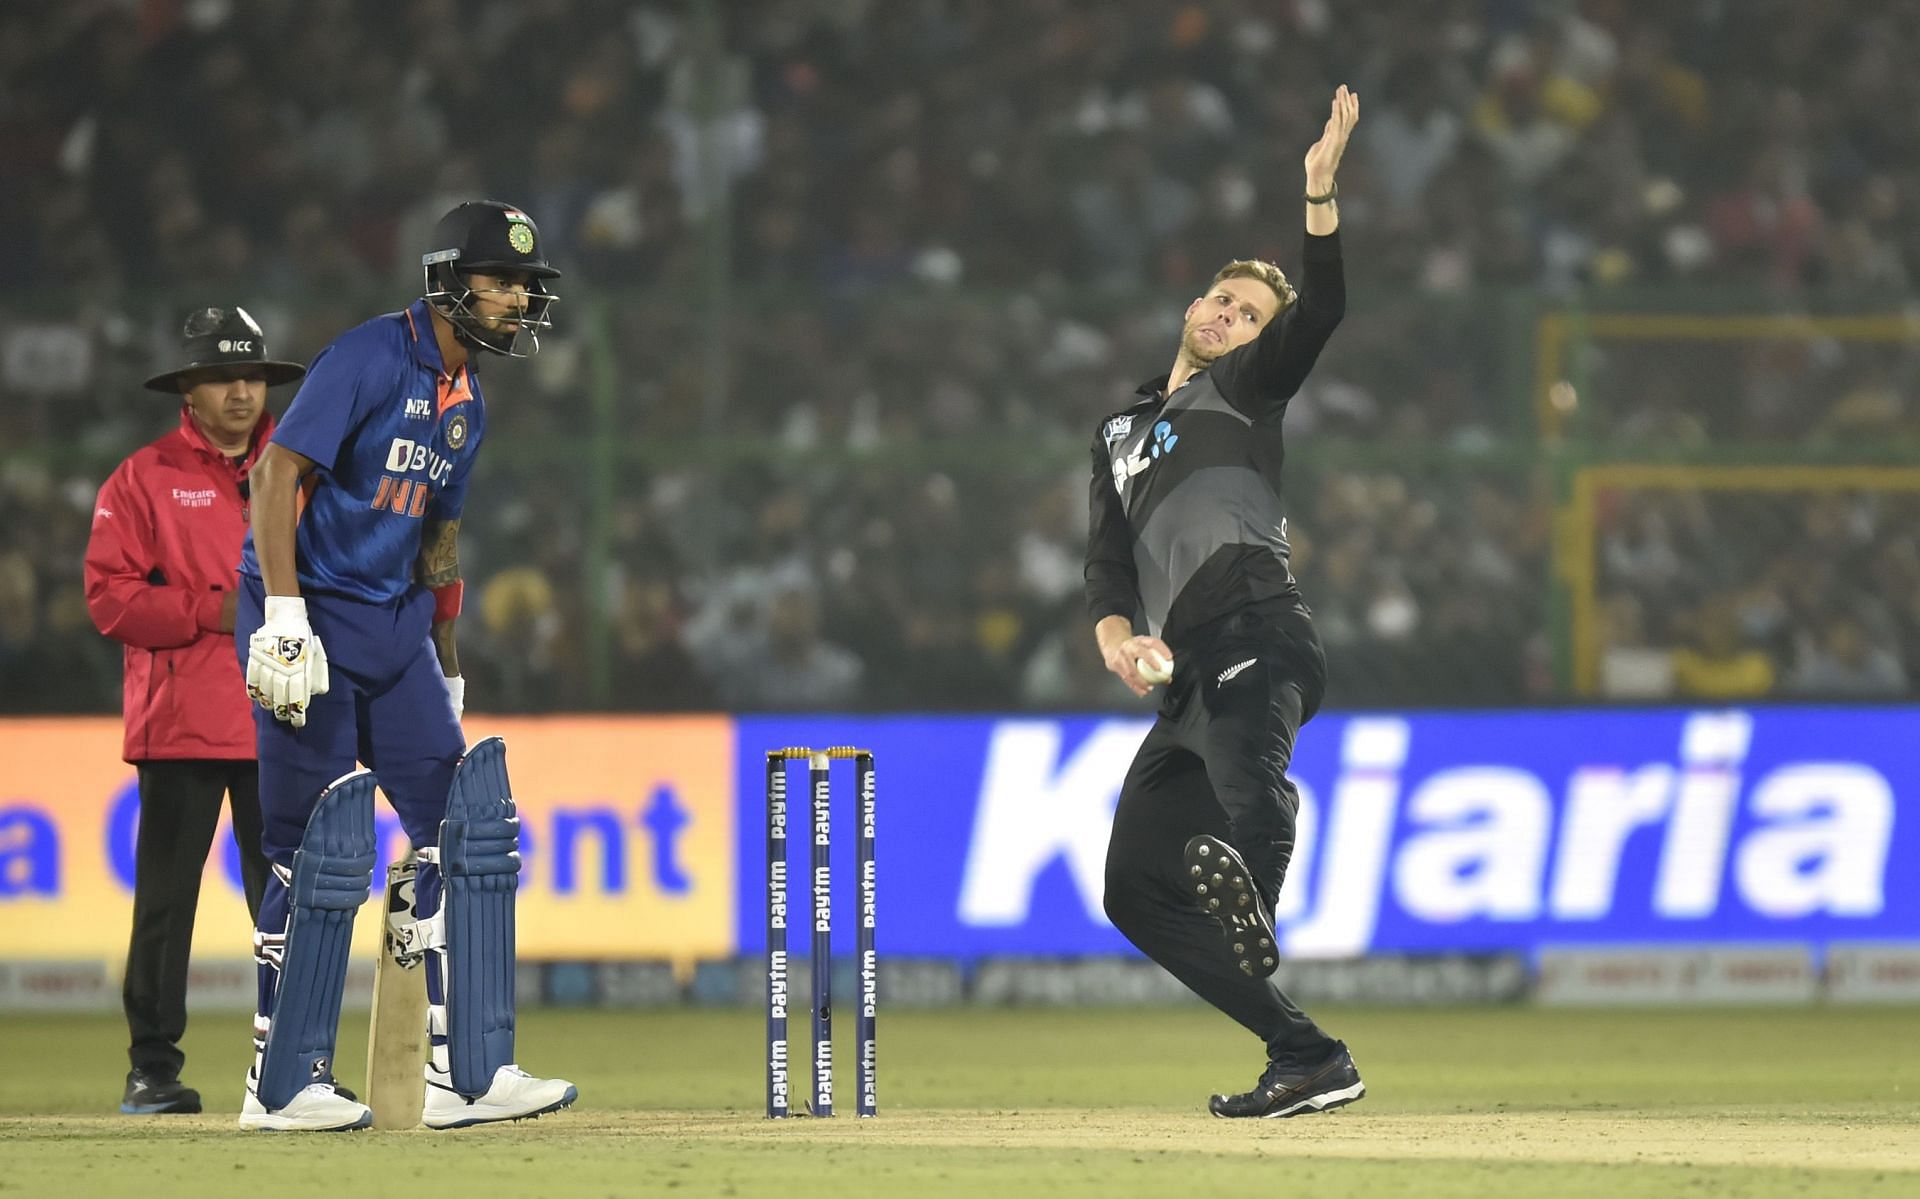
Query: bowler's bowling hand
point(1124, 657)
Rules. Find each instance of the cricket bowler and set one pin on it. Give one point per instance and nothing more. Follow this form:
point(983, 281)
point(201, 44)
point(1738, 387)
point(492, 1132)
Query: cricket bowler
point(1188, 536)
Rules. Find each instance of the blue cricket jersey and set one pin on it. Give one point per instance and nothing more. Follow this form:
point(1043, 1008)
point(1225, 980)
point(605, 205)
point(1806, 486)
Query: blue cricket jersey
point(394, 437)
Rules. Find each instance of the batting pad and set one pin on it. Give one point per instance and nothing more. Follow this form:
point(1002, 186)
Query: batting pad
point(479, 862)
point(332, 874)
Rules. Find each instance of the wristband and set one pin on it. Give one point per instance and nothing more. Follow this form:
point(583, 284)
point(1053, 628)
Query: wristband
point(284, 607)
point(1333, 189)
point(446, 601)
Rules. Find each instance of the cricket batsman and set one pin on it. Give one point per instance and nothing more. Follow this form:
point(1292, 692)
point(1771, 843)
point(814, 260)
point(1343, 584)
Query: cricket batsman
point(349, 590)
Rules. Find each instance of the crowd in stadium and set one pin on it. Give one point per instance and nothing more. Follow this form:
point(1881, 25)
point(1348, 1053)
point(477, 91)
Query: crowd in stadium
point(917, 307)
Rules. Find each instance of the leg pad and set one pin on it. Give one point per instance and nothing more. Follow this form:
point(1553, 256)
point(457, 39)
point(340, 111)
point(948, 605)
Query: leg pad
point(331, 877)
point(479, 861)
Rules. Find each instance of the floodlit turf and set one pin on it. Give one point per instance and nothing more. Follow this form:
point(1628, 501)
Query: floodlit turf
point(1483, 1102)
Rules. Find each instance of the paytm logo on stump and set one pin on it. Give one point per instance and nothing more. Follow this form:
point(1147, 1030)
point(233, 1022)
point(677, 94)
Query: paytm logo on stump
point(1505, 830)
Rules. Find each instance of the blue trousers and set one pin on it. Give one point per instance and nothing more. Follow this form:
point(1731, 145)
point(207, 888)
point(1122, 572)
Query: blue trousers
point(387, 708)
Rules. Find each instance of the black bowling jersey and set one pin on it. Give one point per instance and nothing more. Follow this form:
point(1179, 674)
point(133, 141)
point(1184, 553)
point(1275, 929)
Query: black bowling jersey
point(1187, 523)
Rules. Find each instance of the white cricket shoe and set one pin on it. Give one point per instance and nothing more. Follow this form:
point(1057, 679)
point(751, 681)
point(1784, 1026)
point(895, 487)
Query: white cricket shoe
point(514, 1095)
point(317, 1108)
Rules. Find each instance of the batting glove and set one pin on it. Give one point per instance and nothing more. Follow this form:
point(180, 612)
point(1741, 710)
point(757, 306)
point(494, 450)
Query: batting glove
point(286, 664)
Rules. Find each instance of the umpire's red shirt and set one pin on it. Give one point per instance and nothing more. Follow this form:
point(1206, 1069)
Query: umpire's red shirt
point(162, 556)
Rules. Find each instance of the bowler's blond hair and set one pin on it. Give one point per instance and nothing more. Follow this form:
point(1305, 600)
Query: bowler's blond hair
point(1265, 272)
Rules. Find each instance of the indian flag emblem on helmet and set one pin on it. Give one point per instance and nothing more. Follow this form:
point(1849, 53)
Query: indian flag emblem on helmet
point(520, 237)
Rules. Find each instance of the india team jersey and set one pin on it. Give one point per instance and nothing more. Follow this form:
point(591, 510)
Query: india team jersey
point(393, 437)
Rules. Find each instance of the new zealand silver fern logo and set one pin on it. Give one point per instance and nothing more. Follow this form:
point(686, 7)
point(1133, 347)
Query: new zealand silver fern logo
point(1233, 672)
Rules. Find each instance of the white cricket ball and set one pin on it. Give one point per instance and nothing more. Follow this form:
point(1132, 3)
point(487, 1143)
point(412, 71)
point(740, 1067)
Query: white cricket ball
point(1154, 668)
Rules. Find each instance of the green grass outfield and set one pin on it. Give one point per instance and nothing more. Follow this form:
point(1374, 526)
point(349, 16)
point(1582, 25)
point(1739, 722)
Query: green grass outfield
point(1473, 1102)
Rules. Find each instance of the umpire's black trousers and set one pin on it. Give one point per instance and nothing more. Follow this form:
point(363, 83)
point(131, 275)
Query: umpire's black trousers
point(179, 811)
point(1216, 762)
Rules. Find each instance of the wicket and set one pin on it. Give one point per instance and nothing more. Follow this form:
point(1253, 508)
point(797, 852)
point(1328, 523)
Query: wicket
point(820, 830)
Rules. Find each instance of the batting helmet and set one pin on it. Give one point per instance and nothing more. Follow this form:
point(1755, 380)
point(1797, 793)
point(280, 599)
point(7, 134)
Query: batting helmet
point(485, 237)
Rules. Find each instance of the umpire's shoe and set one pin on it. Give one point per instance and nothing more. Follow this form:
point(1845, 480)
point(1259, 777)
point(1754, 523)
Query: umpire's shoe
point(1287, 1088)
point(1224, 888)
point(150, 1093)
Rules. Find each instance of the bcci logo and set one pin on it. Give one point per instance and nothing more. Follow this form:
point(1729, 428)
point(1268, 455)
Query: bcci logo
point(457, 428)
point(520, 237)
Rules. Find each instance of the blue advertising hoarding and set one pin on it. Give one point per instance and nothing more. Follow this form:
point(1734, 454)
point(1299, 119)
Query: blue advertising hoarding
point(1420, 832)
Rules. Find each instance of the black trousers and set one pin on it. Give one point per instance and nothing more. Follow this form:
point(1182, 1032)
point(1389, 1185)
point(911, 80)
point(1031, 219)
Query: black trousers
point(179, 811)
point(1216, 762)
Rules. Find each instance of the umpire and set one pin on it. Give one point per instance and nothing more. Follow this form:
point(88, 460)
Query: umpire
point(160, 565)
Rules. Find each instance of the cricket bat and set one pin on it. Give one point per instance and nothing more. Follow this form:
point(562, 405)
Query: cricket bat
point(397, 1040)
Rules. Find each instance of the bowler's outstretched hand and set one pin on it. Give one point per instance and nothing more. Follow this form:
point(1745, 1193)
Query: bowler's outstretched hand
point(1323, 157)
